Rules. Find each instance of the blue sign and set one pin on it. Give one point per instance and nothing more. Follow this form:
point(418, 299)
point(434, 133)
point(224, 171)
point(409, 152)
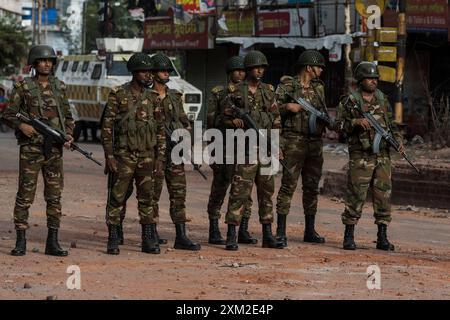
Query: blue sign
point(49, 16)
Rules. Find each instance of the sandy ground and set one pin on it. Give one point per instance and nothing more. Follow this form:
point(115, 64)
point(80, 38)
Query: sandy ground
point(418, 269)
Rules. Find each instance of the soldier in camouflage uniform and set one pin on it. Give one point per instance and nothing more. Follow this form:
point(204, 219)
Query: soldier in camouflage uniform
point(128, 194)
point(365, 166)
point(223, 173)
point(42, 96)
point(302, 148)
point(174, 118)
point(257, 98)
point(134, 144)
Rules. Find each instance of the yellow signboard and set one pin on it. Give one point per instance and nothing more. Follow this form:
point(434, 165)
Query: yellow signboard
point(386, 34)
point(386, 73)
point(362, 5)
point(386, 54)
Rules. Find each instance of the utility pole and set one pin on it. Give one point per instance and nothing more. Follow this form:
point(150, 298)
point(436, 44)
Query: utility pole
point(401, 54)
point(83, 32)
point(33, 20)
point(255, 18)
point(107, 13)
point(348, 48)
point(46, 20)
point(39, 21)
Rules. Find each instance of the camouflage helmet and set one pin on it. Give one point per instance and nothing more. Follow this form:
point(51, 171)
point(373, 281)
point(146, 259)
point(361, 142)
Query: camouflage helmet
point(139, 61)
point(311, 58)
point(235, 63)
point(366, 69)
point(161, 62)
point(255, 58)
point(41, 52)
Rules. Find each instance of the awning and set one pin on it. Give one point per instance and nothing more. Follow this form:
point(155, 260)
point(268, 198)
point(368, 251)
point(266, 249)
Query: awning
point(333, 43)
point(327, 42)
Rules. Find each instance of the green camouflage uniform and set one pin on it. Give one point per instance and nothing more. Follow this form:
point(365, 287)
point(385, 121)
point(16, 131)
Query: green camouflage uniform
point(259, 105)
point(302, 151)
point(132, 133)
point(51, 105)
point(174, 118)
point(365, 167)
point(222, 173)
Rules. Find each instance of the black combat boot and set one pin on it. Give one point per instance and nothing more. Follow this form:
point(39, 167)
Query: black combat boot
point(120, 233)
point(231, 243)
point(243, 235)
point(182, 241)
point(214, 232)
point(113, 240)
point(52, 247)
point(269, 241)
point(310, 234)
point(382, 241)
point(160, 240)
point(281, 229)
point(21, 244)
point(349, 239)
point(149, 239)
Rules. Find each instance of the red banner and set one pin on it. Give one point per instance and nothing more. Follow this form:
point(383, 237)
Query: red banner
point(427, 15)
point(274, 23)
point(422, 16)
point(164, 34)
point(190, 6)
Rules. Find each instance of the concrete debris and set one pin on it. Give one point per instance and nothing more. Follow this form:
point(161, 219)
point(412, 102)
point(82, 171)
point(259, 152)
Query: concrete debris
point(417, 140)
point(408, 208)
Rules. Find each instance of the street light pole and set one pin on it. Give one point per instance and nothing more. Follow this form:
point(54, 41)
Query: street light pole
point(348, 48)
point(39, 21)
point(401, 54)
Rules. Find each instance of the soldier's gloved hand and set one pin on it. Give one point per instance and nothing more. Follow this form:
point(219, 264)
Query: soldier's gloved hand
point(112, 164)
point(363, 123)
point(27, 130)
point(293, 107)
point(238, 123)
point(69, 141)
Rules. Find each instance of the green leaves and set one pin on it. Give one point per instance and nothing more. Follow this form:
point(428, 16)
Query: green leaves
point(14, 41)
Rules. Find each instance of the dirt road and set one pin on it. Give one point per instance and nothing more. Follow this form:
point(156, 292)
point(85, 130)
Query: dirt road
point(418, 269)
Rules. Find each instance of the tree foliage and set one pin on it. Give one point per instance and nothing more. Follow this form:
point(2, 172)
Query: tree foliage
point(14, 42)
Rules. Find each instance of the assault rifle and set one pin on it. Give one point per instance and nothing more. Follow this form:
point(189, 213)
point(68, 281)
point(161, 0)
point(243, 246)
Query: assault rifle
point(313, 112)
point(53, 136)
point(171, 144)
point(251, 124)
point(381, 133)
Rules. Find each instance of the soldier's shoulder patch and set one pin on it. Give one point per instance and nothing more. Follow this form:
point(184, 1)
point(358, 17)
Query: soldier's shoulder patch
point(62, 85)
point(175, 92)
point(317, 82)
point(114, 90)
point(349, 99)
point(231, 88)
point(152, 92)
point(286, 80)
point(19, 84)
point(217, 89)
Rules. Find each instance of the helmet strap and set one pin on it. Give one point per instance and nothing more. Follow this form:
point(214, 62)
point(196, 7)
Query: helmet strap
point(156, 78)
